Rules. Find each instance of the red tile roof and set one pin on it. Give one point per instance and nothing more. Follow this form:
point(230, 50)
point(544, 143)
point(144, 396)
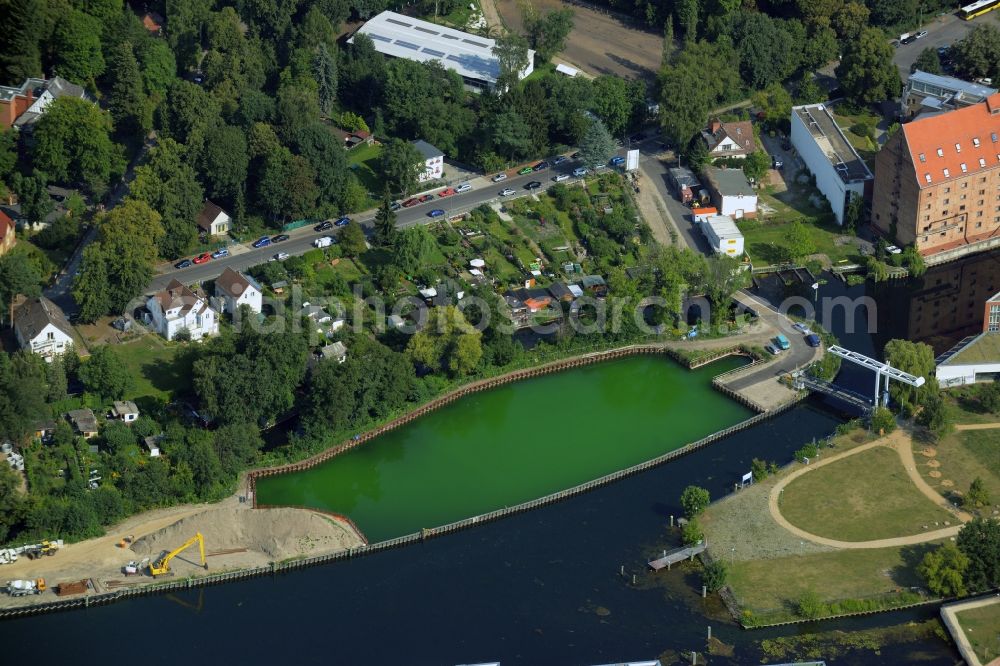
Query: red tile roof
point(954, 144)
point(6, 226)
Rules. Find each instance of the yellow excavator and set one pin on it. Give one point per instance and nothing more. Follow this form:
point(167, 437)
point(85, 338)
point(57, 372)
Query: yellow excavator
point(162, 566)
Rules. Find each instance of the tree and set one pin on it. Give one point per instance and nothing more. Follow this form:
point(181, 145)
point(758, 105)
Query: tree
point(73, 144)
point(723, 276)
point(446, 343)
point(935, 415)
point(19, 276)
point(20, 56)
point(548, 32)
point(775, 103)
point(714, 576)
point(189, 113)
point(385, 223)
point(755, 165)
point(34, 198)
point(866, 71)
point(819, 49)
point(76, 44)
point(978, 55)
point(798, 242)
point(352, 239)
point(612, 104)
point(854, 213)
point(917, 359)
point(287, 188)
point(883, 421)
point(158, 67)
point(687, 18)
point(850, 20)
point(989, 395)
point(979, 540)
point(22, 394)
point(400, 164)
point(127, 102)
point(325, 73)
point(168, 184)
point(236, 446)
point(691, 532)
point(105, 374)
point(12, 501)
point(412, 247)
point(694, 501)
point(977, 496)
point(511, 52)
point(914, 262)
point(597, 146)
point(328, 159)
point(767, 52)
point(509, 135)
point(702, 76)
point(928, 61)
point(225, 162)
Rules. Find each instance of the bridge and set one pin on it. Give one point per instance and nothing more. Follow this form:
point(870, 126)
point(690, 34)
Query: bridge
point(826, 388)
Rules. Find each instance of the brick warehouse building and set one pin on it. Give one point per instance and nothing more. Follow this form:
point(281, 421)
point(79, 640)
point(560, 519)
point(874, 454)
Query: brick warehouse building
point(937, 180)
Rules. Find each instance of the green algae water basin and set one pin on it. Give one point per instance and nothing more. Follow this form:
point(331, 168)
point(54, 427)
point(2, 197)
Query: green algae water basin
point(514, 443)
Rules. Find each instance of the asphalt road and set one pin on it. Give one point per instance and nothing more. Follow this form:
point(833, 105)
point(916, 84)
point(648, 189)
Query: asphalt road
point(941, 31)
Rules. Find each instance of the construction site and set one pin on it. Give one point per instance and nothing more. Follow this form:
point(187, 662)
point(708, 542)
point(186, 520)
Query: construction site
point(178, 543)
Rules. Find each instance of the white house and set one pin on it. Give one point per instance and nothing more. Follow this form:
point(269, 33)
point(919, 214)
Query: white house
point(723, 235)
point(177, 309)
point(152, 444)
point(213, 220)
point(734, 139)
point(839, 170)
point(972, 360)
point(731, 192)
point(433, 161)
point(125, 411)
point(236, 289)
point(41, 327)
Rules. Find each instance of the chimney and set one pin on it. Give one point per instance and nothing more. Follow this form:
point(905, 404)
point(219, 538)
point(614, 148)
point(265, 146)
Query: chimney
point(993, 104)
point(714, 126)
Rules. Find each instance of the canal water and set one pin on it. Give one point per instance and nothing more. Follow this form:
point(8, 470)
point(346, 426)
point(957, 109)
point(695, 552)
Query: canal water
point(514, 443)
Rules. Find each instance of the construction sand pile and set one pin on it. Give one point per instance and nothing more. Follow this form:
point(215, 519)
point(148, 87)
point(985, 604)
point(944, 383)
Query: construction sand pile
point(276, 534)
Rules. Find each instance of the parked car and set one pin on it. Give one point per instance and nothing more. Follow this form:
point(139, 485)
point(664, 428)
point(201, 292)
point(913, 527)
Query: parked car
point(446, 192)
point(892, 249)
point(559, 160)
point(802, 328)
point(782, 342)
point(437, 212)
point(533, 185)
point(506, 192)
point(344, 221)
point(617, 160)
point(281, 256)
point(580, 172)
point(909, 39)
point(500, 177)
point(426, 198)
point(541, 166)
point(220, 253)
point(772, 349)
point(280, 238)
point(323, 226)
point(203, 258)
point(777, 164)
point(394, 206)
point(183, 263)
point(812, 340)
point(464, 187)
point(525, 171)
point(920, 35)
point(263, 241)
point(600, 166)
point(561, 177)
point(411, 202)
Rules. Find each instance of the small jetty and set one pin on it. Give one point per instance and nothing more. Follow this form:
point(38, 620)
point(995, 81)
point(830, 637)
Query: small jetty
point(677, 555)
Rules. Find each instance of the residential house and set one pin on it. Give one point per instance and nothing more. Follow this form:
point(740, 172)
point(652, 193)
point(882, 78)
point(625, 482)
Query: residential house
point(733, 139)
point(236, 289)
point(991, 316)
point(213, 221)
point(21, 106)
point(839, 171)
point(335, 351)
point(125, 411)
point(177, 309)
point(433, 161)
point(323, 320)
point(561, 292)
point(354, 138)
point(152, 444)
point(936, 181)
point(686, 184)
point(595, 284)
point(731, 192)
point(83, 421)
point(153, 23)
point(926, 93)
point(7, 233)
point(41, 327)
point(525, 302)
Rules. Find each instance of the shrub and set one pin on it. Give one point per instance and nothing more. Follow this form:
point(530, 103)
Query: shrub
point(714, 576)
point(694, 500)
point(691, 533)
point(810, 606)
point(809, 451)
point(883, 421)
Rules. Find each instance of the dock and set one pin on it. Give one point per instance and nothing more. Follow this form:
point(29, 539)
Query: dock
point(677, 555)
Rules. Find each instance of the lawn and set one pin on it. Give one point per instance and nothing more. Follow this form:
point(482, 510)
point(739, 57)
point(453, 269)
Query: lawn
point(985, 350)
point(964, 400)
point(160, 369)
point(862, 497)
point(959, 458)
point(982, 628)
point(762, 239)
point(363, 161)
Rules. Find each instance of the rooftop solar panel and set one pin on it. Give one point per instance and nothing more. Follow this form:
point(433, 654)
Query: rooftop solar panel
point(427, 30)
point(379, 37)
point(407, 45)
point(436, 54)
point(447, 36)
point(475, 43)
point(402, 23)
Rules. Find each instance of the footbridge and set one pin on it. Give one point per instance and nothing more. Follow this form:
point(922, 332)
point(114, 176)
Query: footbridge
point(826, 388)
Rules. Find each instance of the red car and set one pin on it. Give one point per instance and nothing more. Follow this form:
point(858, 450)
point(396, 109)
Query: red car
point(202, 258)
point(426, 198)
point(446, 192)
point(410, 202)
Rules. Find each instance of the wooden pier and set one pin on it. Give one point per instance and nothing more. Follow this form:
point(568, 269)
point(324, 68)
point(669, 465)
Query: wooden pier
point(677, 555)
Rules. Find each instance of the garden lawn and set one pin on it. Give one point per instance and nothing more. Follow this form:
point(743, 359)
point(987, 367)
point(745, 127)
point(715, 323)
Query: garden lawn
point(863, 497)
point(964, 401)
point(961, 457)
point(158, 367)
point(761, 239)
point(982, 627)
point(363, 161)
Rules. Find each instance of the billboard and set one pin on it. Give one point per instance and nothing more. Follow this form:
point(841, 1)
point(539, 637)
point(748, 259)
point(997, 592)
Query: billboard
point(632, 160)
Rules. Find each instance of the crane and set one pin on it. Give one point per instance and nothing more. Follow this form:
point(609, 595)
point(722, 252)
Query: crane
point(162, 565)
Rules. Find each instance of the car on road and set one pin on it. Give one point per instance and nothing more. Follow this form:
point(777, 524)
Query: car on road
point(500, 177)
point(344, 221)
point(281, 256)
point(541, 166)
point(812, 340)
point(909, 39)
point(426, 198)
point(580, 172)
point(411, 202)
point(617, 160)
point(802, 328)
point(324, 241)
point(533, 185)
point(263, 241)
point(280, 238)
point(203, 258)
point(600, 166)
point(525, 171)
point(394, 206)
point(220, 253)
point(447, 192)
point(323, 226)
point(437, 212)
point(183, 263)
point(464, 187)
point(506, 192)
point(559, 160)
point(920, 35)
point(561, 177)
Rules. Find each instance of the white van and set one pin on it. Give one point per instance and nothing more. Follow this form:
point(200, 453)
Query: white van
point(324, 241)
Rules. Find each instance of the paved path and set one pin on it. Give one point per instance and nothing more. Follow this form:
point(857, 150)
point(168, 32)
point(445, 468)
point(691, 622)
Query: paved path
point(901, 443)
point(976, 426)
point(949, 613)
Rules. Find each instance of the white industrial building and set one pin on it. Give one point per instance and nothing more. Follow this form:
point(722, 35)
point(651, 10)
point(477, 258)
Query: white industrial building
point(731, 192)
point(975, 359)
point(471, 56)
point(723, 235)
point(830, 157)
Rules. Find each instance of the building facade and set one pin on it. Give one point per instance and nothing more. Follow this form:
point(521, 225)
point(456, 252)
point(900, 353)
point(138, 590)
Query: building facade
point(213, 221)
point(42, 328)
point(236, 289)
point(731, 192)
point(21, 106)
point(937, 180)
point(933, 93)
point(734, 139)
point(839, 171)
point(177, 309)
point(991, 316)
point(433, 161)
point(8, 234)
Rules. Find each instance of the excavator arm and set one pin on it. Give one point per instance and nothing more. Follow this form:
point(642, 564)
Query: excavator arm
point(162, 566)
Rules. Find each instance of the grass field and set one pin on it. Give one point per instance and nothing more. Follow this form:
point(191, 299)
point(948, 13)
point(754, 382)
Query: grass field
point(763, 238)
point(982, 628)
point(961, 457)
point(862, 497)
point(159, 369)
point(363, 161)
point(964, 400)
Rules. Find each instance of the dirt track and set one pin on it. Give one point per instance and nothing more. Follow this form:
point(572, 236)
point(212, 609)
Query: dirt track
point(600, 43)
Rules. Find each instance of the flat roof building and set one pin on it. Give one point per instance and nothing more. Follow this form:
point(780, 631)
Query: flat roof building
point(933, 93)
point(471, 56)
point(839, 170)
point(723, 235)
